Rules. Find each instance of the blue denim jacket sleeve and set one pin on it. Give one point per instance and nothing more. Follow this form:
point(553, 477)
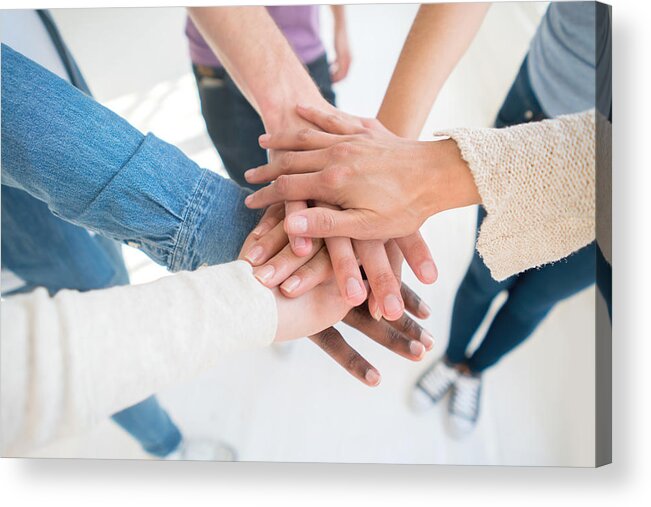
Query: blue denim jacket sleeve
point(92, 168)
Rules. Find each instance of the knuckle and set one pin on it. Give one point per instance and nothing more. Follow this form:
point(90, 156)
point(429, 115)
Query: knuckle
point(286, 160)
point(383, 279)
point(353, 362)
point(335, 176)
point(329, 341)
point(392, 338)
point(340, 150)
point(282, 184)
point(304, 134)
point(331, 121)
point(410, 328)
point(346, 265)
point(325, 222)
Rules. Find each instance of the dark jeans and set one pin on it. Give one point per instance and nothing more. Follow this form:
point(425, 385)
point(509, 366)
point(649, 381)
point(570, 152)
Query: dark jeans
point(532, 294)
point(45, 251)
point(233, 125)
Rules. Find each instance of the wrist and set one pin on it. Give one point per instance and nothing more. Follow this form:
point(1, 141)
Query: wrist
point(450, 183)
point(278, 112)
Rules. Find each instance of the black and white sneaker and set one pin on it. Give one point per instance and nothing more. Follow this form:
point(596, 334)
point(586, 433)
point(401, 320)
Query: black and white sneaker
point(463, 409)
point(433, 385)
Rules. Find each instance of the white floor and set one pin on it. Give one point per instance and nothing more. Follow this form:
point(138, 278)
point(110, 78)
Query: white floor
point(538, 403)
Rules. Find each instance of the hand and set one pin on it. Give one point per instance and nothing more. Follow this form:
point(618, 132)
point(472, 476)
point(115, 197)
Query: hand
point(267, 249)
point(387, 185)
point(404, 337)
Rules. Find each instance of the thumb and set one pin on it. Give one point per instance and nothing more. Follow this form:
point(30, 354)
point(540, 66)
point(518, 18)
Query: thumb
point(327, 223)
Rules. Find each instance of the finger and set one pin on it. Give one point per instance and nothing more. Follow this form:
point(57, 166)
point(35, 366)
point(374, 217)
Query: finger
point(297, 187)
point(333, 344)
point(272, 216)
point(262, 249)
point(346, 268)
point(331, 121)
point(282, 265)
point(385, 334)
point(309, 275)
point(320, 222)
point(304, 139)
point(395, 259)
point(413, 303)
point(290, 162)
point(418, 257)
point(381, 278)
point(300, 245)
point(411, 329)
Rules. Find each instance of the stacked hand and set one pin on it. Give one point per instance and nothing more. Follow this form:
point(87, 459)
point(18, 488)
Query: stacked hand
point(387, 185)
point(381, 262)
point(309, 301)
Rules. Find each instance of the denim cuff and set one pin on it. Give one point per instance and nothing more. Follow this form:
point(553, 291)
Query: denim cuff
point(215, 226)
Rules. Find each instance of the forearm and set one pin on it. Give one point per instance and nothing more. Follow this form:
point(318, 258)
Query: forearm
point(439, 36)
point(95, 170)
point(537, 184)
point(339, 16)
point(259, 58)
point(72, 360)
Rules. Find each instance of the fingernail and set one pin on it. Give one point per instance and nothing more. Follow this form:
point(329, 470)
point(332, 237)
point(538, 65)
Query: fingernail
point(427, 339)
point(263, 139)
point(428, 271)
point(392, 305)
point(255, 254)
point(372, 377)
point(297, 224)
point(416, 348)
point(291, 284)
point(248, 199)
point(265, 273)
point(261, 229)
point(353, 288)
point(376, 313)
point(249, 174)
point(424, 309)
point(300, 243)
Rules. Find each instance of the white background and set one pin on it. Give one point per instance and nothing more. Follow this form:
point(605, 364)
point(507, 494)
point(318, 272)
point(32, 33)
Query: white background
point(111, 482)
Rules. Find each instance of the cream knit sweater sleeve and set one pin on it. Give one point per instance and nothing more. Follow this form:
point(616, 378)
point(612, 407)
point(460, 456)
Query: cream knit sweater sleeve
point(74, 359)
point(537, 184)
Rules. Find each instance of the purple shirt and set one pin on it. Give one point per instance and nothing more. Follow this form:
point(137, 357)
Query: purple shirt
point(300, 24)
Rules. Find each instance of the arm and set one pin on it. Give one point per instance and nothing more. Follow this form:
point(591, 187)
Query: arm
point(532, 219)
point(536, 181)
point(72, 360)
point(260, 60)
point(253, 50)
point(439, 36)
point(343, 58)
point(95, 170)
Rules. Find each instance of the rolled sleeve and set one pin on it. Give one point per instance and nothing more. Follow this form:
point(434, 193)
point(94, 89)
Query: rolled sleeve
point(93, 169)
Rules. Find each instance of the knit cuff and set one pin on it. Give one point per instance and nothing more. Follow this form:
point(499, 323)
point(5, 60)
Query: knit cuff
point(537, 183)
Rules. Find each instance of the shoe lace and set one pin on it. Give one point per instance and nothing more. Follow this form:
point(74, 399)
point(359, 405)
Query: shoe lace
point(437, 380)
point(465, 397)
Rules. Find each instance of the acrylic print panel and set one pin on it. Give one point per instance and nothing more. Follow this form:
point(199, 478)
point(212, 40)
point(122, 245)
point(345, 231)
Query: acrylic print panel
point(519, 370)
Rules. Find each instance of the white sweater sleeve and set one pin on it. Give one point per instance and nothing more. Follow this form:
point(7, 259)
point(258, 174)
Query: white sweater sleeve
point(537, 184)
point(74, 359)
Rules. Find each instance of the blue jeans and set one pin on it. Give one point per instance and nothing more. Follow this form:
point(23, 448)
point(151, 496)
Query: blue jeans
point(45, 251)
point(532, 294)
point(233, 125)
